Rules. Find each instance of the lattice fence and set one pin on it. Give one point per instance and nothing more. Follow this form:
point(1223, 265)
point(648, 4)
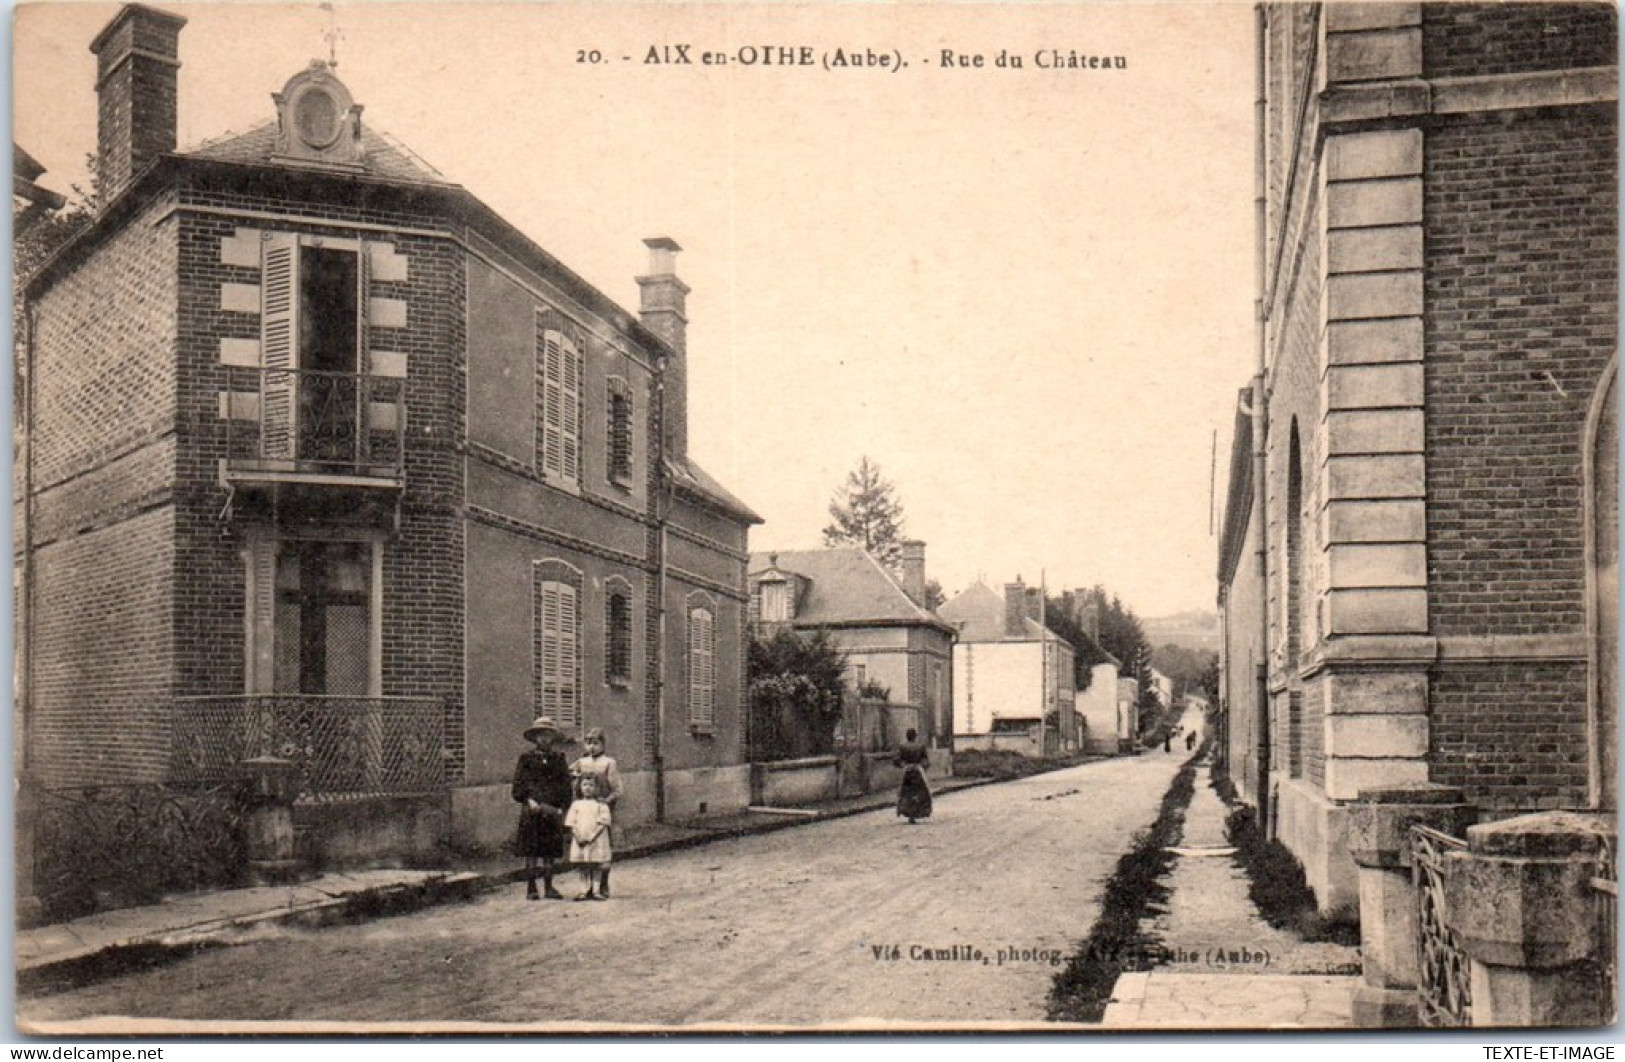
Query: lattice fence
point(341, 746)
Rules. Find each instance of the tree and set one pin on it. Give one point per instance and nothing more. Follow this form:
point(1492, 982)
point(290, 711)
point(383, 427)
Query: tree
point(935, 598)
point(797, 689)
point(1190, 669)
point(865, 513)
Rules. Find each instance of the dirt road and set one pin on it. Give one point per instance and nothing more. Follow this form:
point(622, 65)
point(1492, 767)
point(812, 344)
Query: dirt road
point(962, 918)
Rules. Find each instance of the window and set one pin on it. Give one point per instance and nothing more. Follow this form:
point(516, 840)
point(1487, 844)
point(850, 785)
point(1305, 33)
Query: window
point(311, 336)
point(311, 617)
point(775, 606)
point(559, 381)
point(618, 634)
point(620, 431)
point(558, 644)
point(702, 668)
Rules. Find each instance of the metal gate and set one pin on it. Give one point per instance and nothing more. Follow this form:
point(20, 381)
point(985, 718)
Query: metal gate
point(1443, 984)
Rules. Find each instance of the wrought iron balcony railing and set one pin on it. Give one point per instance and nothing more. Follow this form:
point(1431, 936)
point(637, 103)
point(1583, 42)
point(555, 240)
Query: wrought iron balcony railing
point(342, 746)
point(312, 422)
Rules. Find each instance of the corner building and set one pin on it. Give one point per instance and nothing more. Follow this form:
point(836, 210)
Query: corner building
point(328, 461)
point(1418, 573)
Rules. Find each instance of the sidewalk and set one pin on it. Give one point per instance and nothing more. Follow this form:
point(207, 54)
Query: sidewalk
point(109, 942)
point(1229, 968)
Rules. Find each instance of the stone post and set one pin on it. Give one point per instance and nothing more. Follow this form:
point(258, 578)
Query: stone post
point(1379, 841)
point(270, 785)
point(1521, 900)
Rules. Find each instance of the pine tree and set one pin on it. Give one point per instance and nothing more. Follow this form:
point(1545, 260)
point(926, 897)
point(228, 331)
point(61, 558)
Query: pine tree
point(865, 513)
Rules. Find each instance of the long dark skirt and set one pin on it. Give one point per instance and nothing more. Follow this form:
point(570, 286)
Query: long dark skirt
point(914, 796)
point(540, 836)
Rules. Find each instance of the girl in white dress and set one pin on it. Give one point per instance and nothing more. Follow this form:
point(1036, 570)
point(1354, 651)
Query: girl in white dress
point(588, 822)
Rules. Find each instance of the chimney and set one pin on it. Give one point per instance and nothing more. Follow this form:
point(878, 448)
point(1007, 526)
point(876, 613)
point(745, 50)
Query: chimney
point(137, 61)
point(914, 571)
point(1015, 608)
point(664, 311)
point(1087, 611)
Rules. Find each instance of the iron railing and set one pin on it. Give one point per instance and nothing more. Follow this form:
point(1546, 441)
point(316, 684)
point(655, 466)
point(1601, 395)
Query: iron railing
point(1605, 886)
point(302, 420)
point(341, 746)
point(1443, 984)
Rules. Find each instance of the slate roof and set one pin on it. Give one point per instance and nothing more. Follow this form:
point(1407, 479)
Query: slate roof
point(978, 612)
point(698, 480)
point(846, 586)
point(382, 155)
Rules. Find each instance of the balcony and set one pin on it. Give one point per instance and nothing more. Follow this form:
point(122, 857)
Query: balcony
point(342, 746)
point(308, 426)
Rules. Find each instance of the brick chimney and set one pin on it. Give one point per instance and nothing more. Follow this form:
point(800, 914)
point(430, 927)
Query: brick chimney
point(1086, 610)
point(664, 311)
point(914, 570)
point(137, 65)
point(1015, 608)
point(1035, 604)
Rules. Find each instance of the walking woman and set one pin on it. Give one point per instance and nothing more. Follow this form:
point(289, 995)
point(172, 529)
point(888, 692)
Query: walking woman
point(541, 786)
point(913, 796)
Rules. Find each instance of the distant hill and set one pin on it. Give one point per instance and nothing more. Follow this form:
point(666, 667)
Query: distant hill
point(1189, 630)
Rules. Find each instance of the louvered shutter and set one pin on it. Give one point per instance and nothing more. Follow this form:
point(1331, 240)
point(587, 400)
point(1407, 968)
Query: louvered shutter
point(550, 354)
point(560, 664)
point(701, 667)
point(570, 413)
point(261, 615)
point(569, 657)
point(279, 347)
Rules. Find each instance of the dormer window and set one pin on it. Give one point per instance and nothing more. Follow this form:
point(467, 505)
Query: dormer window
point(320, 124)
point(775, 601)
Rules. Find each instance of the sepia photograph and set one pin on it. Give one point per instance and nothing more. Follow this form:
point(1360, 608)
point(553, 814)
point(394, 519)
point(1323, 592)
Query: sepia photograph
point(1094, 517)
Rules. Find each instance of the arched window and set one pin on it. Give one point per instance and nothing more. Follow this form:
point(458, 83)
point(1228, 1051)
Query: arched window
point(1293, 603)
point(619, 430)
point(557, 621)
point(1602, 606)
point(617, 632)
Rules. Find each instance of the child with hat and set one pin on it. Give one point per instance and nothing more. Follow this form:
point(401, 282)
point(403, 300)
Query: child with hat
point(541, 786)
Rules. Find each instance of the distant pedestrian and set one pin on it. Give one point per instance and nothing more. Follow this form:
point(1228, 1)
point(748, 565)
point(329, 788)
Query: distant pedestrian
point(588, 822)
point(1190, 741)
point(1167, 741)
point(541, 786)
point(913, 795)
point(596, 765)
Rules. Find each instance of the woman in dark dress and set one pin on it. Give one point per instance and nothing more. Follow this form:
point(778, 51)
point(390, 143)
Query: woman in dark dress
point(913, 796)
point(541, 786)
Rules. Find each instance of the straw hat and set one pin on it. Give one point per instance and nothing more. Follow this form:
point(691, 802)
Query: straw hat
point(541, 723)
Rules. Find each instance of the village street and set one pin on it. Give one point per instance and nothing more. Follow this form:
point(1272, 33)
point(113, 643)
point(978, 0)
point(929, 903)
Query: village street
point(827, 923)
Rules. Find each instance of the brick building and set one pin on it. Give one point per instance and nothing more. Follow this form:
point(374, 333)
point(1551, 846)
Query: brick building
point(330, 461)
point(1418, 573)
point(890, 639)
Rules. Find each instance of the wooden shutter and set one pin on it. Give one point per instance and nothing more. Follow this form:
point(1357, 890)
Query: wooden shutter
point(279, 347)
point(550, 356)
point(570, 413)
point(261, 606)
point(559, 616)
point(701, 667)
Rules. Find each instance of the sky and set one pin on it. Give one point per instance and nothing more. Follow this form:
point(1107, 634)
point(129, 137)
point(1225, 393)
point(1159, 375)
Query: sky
point(1025, 293)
